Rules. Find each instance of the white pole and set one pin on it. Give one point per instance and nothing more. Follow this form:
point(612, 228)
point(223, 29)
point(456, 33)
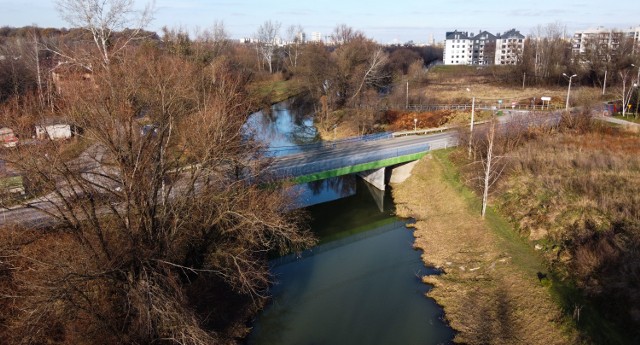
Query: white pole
point(569, 92)
point(604, 86)
point(407, 100)
point(473, 110)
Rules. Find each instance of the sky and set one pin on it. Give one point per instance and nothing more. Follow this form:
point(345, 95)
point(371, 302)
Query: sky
point(387, 21)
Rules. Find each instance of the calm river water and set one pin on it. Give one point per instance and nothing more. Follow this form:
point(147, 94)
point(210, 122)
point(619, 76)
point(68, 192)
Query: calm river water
point(361, 284)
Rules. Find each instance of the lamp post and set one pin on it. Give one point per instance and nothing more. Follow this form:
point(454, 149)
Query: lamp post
point(569, 89)
point(415, 124)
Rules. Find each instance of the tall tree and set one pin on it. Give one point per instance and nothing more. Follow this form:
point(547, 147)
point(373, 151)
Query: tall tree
point(106, 20)
point(267, 41)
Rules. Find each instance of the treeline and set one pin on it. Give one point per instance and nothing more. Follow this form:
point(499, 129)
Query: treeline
point(351, 72)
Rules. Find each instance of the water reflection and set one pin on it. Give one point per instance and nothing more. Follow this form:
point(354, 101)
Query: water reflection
point(282, 129)
point(361, 285)
point(316, 192)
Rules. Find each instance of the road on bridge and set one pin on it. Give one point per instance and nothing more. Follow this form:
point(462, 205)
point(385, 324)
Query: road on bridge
point(283, 164)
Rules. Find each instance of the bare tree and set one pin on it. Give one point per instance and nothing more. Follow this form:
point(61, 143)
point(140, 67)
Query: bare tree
point(106, 20)
point(627, 93)
point(160, 213)
point(373, 71)
point(267, 40)
point(343, 34)
point(216, 38)
point(295, 40)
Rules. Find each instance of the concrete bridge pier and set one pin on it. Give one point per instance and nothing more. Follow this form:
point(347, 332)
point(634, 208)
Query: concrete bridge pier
point(375, 177)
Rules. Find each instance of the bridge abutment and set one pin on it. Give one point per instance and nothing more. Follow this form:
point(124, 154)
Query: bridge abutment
point(374, 177)
point(402, 172)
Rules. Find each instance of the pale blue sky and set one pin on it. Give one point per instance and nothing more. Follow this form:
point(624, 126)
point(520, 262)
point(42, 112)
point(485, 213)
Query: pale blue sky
point(386, 21)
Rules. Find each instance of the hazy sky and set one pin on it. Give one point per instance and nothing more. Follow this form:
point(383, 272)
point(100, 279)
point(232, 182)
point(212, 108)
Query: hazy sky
point(385, 21)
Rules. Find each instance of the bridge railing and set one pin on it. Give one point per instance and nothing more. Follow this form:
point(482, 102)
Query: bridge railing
point(287, 150)
point(333, 163)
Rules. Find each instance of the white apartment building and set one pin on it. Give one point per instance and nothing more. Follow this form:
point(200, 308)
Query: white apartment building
point(509, 47)
point(457, 48)
point(610, 38)
point(485, 48)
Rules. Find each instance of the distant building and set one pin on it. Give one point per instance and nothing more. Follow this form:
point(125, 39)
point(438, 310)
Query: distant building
point(301, 37)
point(485, 48)
point(610, 38)
point(509, 47)
point(316, 37)
point(457, 48)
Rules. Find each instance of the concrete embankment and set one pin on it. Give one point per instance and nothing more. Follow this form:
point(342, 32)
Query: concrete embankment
point(491, 288)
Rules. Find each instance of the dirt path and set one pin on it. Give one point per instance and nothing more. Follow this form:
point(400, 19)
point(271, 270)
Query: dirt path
point(490, 290)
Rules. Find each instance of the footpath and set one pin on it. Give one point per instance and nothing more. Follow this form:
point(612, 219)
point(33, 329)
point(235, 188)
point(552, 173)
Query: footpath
point(492, 287)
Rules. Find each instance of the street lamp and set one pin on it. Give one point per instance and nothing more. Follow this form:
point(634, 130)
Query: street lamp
point(415, 124)
point(569, 89)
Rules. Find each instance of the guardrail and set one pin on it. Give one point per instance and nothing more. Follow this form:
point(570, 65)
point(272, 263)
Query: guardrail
point(285, 150)
point(478, 106)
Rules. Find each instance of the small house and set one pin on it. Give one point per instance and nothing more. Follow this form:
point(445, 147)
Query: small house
point(54, 129)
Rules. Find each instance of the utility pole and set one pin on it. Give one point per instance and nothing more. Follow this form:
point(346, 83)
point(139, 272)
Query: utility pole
point(524, 77)
point(604, 85)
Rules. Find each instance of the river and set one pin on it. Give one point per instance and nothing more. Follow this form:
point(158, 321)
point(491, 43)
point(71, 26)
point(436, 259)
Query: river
point(361, 284)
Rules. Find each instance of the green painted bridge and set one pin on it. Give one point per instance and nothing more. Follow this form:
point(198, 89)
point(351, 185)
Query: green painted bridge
point(357, 157)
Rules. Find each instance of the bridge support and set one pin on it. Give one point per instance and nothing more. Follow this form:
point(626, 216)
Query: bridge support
point(374, 177)
point(402, 172)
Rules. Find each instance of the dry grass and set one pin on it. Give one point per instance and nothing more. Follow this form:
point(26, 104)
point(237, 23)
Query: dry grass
point(449, 85)
point(490, 292)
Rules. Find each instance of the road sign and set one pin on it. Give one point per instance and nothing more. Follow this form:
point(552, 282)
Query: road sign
point(547, 99)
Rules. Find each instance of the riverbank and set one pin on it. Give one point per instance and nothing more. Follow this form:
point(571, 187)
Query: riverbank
point(493, 286)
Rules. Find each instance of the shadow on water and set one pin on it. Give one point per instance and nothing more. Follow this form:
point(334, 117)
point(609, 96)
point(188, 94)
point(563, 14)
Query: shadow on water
point(361, 285)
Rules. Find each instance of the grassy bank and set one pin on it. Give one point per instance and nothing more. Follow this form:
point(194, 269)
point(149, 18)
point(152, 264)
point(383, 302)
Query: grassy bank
point(491, 288)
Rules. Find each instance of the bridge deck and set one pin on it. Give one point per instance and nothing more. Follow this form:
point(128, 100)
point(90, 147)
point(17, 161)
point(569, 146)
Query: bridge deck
point(324, 162)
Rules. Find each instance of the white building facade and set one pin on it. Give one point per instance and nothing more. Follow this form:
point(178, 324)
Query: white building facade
point(509, 48)
point(462, 48)
point(610, 38)
point(457, 48)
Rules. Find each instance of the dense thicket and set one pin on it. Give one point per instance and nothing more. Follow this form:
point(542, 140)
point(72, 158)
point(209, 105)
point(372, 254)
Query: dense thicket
point(156, 231)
